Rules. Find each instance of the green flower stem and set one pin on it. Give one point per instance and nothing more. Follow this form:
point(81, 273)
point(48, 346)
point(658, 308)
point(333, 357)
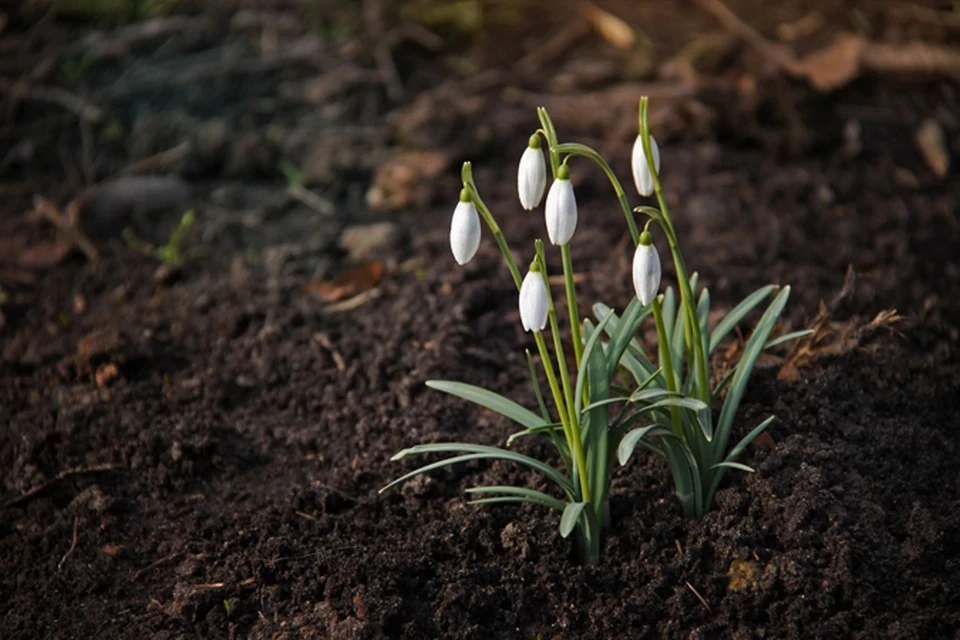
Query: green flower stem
point(574, 439)
point(572, 303)
point(550, 132)
point(467, 175)
point(687, 300)
point(577, 149)
point(666, 361)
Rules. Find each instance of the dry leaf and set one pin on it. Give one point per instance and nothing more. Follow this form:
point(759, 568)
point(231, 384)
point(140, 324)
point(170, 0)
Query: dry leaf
point(835, 65)
point(359, 279)
point(42, 255)
point(933, 147)
point(614, 30)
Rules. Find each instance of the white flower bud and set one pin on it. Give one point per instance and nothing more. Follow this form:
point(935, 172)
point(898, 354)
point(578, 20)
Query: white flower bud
point(561, 215)
point(532, 176)
point(464, 230)
point(533, 302)
point(646, 269)
point(642, 177)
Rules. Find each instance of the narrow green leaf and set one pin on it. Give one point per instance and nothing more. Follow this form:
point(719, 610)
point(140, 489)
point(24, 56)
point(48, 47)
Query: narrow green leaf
point(507, 500)
point(787, 337)
point(522, 492)
point(737, 314)
point(747, 439)
point(536, 387)
point(476, 451)
point(545, 428)
point(490, 400)
point(629, 442)
point(622, 332)
point(669, 309)
point(571, 513)
point(733, 465)
point(745, 368)
point(588, 349)
point(596, 424)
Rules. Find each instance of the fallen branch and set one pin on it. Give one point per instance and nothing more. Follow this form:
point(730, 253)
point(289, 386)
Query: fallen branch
point(84, 109)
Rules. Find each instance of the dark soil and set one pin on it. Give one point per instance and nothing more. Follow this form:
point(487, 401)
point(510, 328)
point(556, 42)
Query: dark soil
point(196, 452)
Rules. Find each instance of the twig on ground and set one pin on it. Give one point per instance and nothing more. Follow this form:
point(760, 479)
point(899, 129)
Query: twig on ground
point(46, 486)
point(158, 162)
point(45, 210)
point(73, 545)
point(697, 593)
point(780, 55)
point(82, 108)
point(153, 565)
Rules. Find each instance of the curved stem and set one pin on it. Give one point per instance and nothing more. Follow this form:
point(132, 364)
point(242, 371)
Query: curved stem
point(572, 308)
point(577, 149)
point(467, 175)
point(687, 300)
point(666, 362)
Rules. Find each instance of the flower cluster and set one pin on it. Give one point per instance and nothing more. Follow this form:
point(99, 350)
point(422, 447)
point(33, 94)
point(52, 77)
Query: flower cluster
point(594, 420)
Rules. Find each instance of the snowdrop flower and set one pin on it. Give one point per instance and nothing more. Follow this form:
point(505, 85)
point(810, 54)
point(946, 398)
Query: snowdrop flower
point(532, 176)
point(464, 230)
point(646, 269)
point(641, 170)
point(561, 213)
point(533, 300)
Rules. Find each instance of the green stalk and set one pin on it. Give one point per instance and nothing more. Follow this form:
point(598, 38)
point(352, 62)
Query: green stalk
point(666, 361)
point(550, 132)
point(687, 300)
point(574, 439)
point(572, 304)
point(467, 175)
point(577, 149)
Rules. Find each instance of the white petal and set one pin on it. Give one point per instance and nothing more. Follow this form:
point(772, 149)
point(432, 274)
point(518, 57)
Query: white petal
point(641, 170)
point(533, 302)
point(464, 232)
point(531, 178)
point(646, 272)
point(561, 214)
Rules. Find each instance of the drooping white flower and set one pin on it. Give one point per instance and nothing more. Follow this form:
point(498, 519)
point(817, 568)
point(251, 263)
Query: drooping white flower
point(561, 214)
point(646, 269)
point(532, 175)
point(533, 301)
point(641, 170)
point(464, 230)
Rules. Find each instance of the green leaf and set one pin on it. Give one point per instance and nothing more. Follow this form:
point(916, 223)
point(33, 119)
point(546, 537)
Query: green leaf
point(476, 452)
point(629, 442)
point(596, 424)
point(733, 465)
point(621, 333)
point(553, 427)
point(738, 385)
point(669, 309)
point(490, 400)
point(787, 337)
point(521, 492)
point(506, 500)
point(571, 513)
point(588, 349)
point(536, 387)
point(737, 314)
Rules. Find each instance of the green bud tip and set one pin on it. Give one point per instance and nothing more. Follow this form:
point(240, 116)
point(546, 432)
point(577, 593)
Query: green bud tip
point(534, 141)
point(535, 266)
point(646, 238)
point(464, 195)
point(563, 173)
